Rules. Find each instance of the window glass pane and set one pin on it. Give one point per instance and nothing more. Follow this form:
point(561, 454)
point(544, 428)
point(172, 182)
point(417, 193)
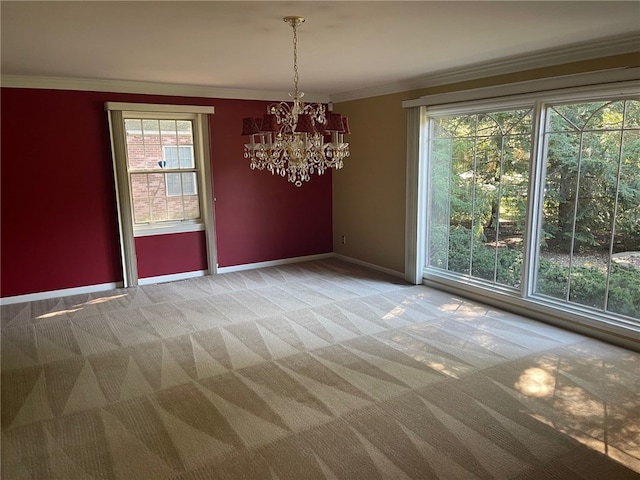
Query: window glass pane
point(560, 190)
point(462, 126)
point(608, 117)
point(461, 206)
point(133, 125)
point(558, 123)
point(173, 184)
point(140, 196)
point(135, 144)
point(558, 210)
point(154, 145)
point(589, 254)
point(178, 157)
point(169, 141)
point(189, 185)
point(143, 145)
point(185, 157)
point(175, 208)
point(488, 126)
point(148, 197)
point(191, 207)
point(157, 144)
point(151, 129)
point(513, 124)
point(182, 196)
point(625, 265)
point(181, 184)
point(479, 177)
point(168, 127)
point(591, 228)
point(510, 211)
point(171, 157)
point(161, 197)
point(440, 187)
point(578, 114)
point(151, 140)
point(158, 197)
point(185, 128)
point(632, 115)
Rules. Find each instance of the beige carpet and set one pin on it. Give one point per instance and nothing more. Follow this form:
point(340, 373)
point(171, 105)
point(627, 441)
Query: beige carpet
point(320, 370)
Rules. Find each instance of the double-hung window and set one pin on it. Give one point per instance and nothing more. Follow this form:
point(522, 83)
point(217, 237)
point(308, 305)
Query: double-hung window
point(162, 173)
point(162, 170)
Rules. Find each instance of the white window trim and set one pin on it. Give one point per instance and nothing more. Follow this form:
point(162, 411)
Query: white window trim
point(117, 112)
point(584, 82)
point(616, 330)
point(161, 229)
point(146, 108)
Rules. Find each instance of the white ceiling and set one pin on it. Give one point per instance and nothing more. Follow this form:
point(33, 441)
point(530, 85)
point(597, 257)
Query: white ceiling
point(342, 47)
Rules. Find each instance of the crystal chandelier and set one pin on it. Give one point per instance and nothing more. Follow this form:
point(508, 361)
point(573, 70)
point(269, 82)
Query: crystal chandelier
point(296, 140)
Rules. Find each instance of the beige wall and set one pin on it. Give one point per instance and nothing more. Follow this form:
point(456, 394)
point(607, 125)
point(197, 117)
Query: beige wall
point(369, 192)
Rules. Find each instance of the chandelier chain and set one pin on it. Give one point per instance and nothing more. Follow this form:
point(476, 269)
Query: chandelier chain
point(295, 60)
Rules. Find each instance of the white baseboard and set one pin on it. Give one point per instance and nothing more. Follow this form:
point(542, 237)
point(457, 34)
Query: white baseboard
point(174, 277)
point(372, 266)
point(32, 297)
point(274, 263)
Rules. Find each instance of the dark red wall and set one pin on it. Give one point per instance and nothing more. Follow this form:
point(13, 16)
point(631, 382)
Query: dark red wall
point(259, 216)
point(58, 221)
point(175, 253)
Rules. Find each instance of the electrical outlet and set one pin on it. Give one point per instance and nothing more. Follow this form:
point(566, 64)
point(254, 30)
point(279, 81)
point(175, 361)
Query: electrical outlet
point(343, 239)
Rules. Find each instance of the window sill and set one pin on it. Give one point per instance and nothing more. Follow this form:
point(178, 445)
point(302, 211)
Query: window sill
point(167, 228)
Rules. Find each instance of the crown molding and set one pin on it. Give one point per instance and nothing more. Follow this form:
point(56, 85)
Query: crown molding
point(622, 78)
point(148, 88)
point(620, 44)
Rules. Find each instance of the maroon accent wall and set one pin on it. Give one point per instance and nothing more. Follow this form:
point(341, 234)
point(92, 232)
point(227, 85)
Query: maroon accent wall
point(58, 219)
point(175, 253)
point(259, 216)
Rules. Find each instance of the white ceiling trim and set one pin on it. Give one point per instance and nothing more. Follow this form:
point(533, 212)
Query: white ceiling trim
point(617, 45)
point(621, 44)
point(622, 78)
point(149, 88)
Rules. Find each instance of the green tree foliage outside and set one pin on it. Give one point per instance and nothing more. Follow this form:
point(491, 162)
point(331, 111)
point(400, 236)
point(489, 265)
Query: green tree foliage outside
point(592, 161)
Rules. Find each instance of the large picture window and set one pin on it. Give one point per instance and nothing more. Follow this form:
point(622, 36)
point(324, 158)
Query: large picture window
point(590, 235)
point(537, 198)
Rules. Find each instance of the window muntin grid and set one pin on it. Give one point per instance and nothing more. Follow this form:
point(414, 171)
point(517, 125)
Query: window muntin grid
point(162, 145)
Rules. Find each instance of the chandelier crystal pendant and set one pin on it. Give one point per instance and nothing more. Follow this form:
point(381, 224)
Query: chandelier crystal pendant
point(296, 139)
